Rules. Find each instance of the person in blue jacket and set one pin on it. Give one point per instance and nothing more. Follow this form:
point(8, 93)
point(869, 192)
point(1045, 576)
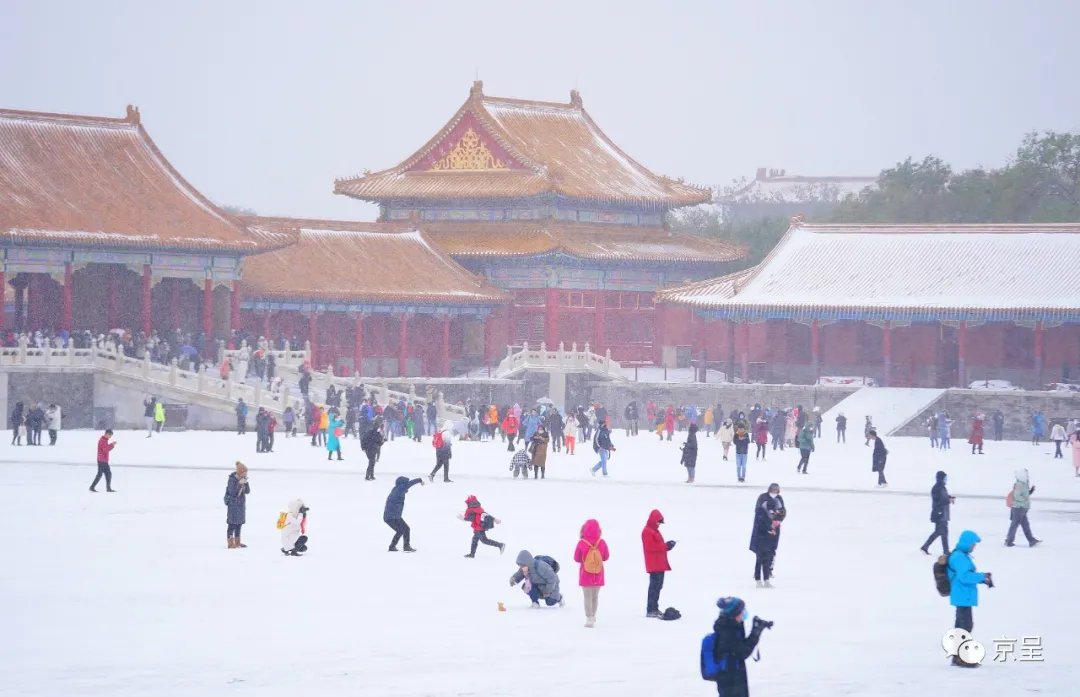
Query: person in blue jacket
point(1038, 427)
point(395, 508)
point(964, 581)
point(333, 440)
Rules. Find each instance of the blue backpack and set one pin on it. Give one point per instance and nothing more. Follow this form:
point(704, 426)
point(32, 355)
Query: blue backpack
point(712, 669)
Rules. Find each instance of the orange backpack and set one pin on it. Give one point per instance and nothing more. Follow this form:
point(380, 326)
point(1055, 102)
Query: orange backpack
point(594, 560)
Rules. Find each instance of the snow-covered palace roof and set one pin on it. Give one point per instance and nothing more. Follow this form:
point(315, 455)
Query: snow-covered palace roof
point(1004, 272)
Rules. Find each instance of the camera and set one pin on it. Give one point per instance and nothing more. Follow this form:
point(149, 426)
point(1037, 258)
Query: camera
point(762, 624)
point(304, 510)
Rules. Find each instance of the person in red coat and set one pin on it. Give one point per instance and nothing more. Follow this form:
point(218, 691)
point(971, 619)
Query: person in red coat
point(761, 437)
point(474, 515)
point(976, 437)
point(104, 447)
point(656, 562)
point(510, 428)
point(669, 421)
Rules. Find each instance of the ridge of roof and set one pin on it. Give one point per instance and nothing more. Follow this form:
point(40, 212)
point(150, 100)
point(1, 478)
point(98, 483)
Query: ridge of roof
point(936, 228)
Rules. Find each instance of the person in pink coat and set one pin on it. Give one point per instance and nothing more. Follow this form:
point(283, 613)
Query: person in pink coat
point(591, 581)
point(1075, 438)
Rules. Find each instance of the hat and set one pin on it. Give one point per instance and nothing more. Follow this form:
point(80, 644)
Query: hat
point(731, 607)
point(774, 485)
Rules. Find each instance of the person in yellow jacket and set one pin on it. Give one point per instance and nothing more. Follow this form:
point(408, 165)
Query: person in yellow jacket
point(708, 419)
point(159, 416)
point(324, 424)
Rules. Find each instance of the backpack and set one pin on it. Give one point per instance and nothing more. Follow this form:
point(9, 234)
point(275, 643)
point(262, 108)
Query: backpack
point(594, 560)
point(941, 576)
point(282, 517)
point(549, 561)
point(671, 614)
point(437, 440)
point(487, 522)
point(711, 668)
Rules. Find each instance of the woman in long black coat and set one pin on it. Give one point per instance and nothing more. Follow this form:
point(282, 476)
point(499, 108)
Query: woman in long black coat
point(765, 536)
point(689, 453)
point(236, 491)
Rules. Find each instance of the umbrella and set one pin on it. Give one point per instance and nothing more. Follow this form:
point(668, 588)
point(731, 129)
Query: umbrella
point(545, 400)
point(189, 350)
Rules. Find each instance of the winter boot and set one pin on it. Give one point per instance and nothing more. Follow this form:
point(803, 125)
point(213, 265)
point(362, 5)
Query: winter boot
point(590, 622)
point(758, 583)
point(239, 543)
point(409, 549)
point(232, 542)
point(392, 549)
point(535, 606)
point(470, 555)
point(767, 584)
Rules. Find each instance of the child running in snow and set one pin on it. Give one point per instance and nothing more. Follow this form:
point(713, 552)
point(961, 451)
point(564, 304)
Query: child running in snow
point(521, 462)
point(294, 529)
point(481, 522)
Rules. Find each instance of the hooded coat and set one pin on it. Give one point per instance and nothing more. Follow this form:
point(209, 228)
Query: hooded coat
point(236, 500)
point(963, 577)
point(977, 431)
point(880, 454)
point(395, 502)
point(541, 575)
point(732, 644)
point(474, 513)
point(939, 501)
point(689, 449)
point(538, 444)
point(764, 537)
point(1021, 490)
point(293, 525)
point(590, 537)
point(653, 544)
point(727, 431)
point(333, 441)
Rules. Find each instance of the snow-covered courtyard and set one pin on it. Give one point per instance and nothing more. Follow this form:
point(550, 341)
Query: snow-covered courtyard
point(135, 593)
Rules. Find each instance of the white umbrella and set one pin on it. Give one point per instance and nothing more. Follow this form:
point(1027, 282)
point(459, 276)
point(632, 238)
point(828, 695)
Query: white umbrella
point(545, 400)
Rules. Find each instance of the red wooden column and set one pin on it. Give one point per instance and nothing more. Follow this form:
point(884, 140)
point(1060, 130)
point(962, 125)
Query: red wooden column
point(66, 318)
point(731, 350)
point(313, 337)
point(444, 347)
point(174, 303)
point(234, 309)
point(358, 345)
point(489, 338)
point(3, 305)
point(147, 304)
point(20, 305)
point(815, 348)
point(886, 353)
point(598, 322)
point(961, 347)
point(659, 332)
point(266, 324)
point(208, 308)
point(403, 346)
point(112, 304)
point(551, 318)
point(1039, 355)
point(744, 329)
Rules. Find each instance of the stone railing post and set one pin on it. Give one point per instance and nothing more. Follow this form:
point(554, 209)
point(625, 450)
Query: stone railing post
point(202, 379)
point(509, 350)
point(607, 361)
point(307, 352)
point(23, 341)
point(412, 392)
point(440, 405)
point(172, 372)
point(228, 389)
point(46, 353)
point(71, 353)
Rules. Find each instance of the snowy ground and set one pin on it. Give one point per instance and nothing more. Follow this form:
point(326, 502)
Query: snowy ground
point(134, 593)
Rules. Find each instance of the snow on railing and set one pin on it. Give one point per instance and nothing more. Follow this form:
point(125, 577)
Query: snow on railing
point(572, 360)
point(199, 382)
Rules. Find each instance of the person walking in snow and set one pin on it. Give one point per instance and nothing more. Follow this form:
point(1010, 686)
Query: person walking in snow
point(1019, 501)
point(1074, 440)
point(538, 579)
point(964, 583)
point(590, 554)
point(241, 417)
point(443, 452)
point(481, 522)
point(1058, 436)
point(777, 428)
point(656, 561)
point(510, 428)
point(1038, 427)
point(159, 416)
point(932, 431)
point(294, 537)
point(999, 424)
point(940, 501)
point(53, 422)
point(236, 490)
point(816, 420)
point(732, 646)
point(878, 458)
point(603, 447)
point(944, 431)
point(689, 453)
point(538, 446)
point(761, 436)
point(841, 428)
point(742, 451)
point(975, 439)
point(805, 441)
point(868, 428)
point(371, 443)
point(726, 432)
point(394, 510)
point(769, 513)
point(149, 406)
point(333, 436)
point(669, 421)
point(105, 446)
point(631, 416)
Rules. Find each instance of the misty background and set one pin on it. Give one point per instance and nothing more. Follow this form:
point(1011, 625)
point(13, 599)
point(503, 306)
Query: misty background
point(263, 104)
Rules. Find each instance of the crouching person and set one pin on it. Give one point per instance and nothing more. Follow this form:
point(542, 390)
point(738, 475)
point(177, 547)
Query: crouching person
point(539, 578)
point(294, 529)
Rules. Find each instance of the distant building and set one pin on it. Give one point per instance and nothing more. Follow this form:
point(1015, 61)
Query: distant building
point(773, 193)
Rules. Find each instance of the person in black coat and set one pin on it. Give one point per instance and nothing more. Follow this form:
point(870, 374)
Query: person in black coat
point(769, 512)
point(939, 514)
point(395, 508)
point(732, 646)
point(631, 414)
point(689, 453)
point(371, 443)
point(878, 457)
point(17, 419)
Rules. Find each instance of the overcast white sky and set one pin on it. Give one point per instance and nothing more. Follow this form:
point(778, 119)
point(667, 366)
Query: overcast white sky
point(262, 104)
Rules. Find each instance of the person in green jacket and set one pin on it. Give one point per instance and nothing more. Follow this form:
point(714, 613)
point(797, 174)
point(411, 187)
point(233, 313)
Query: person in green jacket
point(1018, 509)
point(159, 416)
point(805, 441)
